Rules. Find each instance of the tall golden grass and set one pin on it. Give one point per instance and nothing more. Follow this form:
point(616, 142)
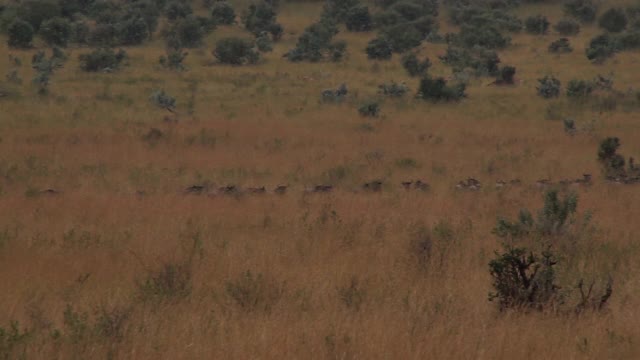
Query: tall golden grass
point(91, 247)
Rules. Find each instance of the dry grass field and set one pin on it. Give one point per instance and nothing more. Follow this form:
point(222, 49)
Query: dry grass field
point(303, 275)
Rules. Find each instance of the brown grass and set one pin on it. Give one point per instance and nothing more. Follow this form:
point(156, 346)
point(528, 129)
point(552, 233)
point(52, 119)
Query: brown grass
point(264, 125)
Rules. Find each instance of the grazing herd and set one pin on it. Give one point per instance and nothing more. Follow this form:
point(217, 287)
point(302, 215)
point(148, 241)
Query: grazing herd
point(377, 186)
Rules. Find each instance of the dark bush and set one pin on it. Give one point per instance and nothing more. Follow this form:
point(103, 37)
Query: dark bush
point(613, 20)
point(561, 45)
point(487, 36)
point(262, 17)
point(358, 19)
point(35, 12)
point(402, 37)
point(579, 89)
point(414, 66)
point(393, 89)
point(548, 87)
point(132, 31)
point(408, 10)
point(613, 163)
point(223, 13)
point(56, 31)
point(628, 41)
point(316, 44)
point(438, 90)
point(235, 51)
point(174, 59)
point(583, 10)
point(264, 42)
point(601, 47)
point(102, 60)
point(484, 62)
point(567, 27)
point(506, 75)
point(187, 32)
point(426, 25)
point(537, 25)
point(379, 49)
point(522, 279)
point(335, 95)
point(103, 35)
point(178, 9)
point(386, 18)
point(338, 10)
point(369, 109)
point(20, 34)
point(79, 32)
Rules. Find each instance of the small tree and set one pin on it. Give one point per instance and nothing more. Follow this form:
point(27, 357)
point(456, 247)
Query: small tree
point(379, 49)
point(235, 51)
point(369, 109)
point(414, 66)
point(20, 34)
point(358, 18)
point(438, 90)
point(163, 100)
point(583, 10)
point(223, 13)
point(560, 46)
point(56, 31)
point(579, 89)
point(264, 42)
point(567, 27)
point(102, 60)
point(402, 37)
point(613, 20)
point(613, 163)
point(548, 87)
point(505, 77)
point(601, 47)
point(174, 59)
point(537, 25)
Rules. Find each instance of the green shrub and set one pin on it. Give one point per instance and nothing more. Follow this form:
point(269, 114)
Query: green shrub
point(338, 10)
point(506, 75)
point(358, 19)
point(56, 31)
point(386, 18)
point(537, 25)
point(163, 100)
point(174, 59)
point(177, 10)
point(579, 89)
point(316, 44)
point(235, 51)
point(379, 49)
point(264, 43)
point(613, 20)
point(393, 89)
point(20, 34)
point(612, 163)
point(223, 13)
point(414, 66)
point(484, 62)
point(369, 109)
point(102, 60)
point(486, 36)
point(561, 45)
point(254, 292)
point(169, 283)
point(438, 90)
point(601, 47)
point(35, 12)
point(262, 17)
point(335, 95)
point(567, 27)
point(548, 87)
point(402, 37)
point(583, 10)
point(132, 31)
point(187, 32)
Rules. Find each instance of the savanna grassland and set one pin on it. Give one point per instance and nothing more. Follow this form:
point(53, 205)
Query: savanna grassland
point(118, 261)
